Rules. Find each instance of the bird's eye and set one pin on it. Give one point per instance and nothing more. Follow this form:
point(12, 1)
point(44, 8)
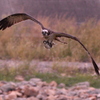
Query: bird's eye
point(44, 33)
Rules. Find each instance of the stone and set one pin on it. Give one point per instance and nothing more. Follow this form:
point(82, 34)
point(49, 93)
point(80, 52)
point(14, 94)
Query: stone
point(98, 95)
point(92, 98)
point(1, 84)
point(1, 91)
point(51, 97)
point(20, 99)
point(85, 84)
point(63, 97)
point(21, 83)
point(61, 91)
point(36, 80)
point(1, 97)
point(8, 87)
point(30, 91)
point(50, 92)
point(61, 85)
point(42, 84)
point(32, 98)
point(19, 78)
point(53, 84)
point(32, 83)
point(41, 97)
point(11, 96)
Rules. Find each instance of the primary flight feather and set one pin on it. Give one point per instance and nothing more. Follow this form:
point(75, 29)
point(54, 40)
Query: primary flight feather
point(49, 35)
point(15, 18)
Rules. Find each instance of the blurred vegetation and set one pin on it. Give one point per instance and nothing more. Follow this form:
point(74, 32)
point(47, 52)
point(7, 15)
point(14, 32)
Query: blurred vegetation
point(25, 42)
point(69, 76)
point(80, 9)
point(69, 81)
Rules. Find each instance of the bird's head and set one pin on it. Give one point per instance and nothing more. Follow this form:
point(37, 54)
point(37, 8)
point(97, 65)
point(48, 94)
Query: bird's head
point(45, 32)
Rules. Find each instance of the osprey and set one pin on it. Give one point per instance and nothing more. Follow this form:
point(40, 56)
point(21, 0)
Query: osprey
point(49, 35)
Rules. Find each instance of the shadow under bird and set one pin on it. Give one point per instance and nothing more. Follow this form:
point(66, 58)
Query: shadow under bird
point(49, 35)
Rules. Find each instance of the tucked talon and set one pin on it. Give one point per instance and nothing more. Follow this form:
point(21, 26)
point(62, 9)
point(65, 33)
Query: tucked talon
point(47, 44)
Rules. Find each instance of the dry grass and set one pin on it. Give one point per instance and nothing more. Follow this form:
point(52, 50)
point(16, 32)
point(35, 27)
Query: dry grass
point(25, 42)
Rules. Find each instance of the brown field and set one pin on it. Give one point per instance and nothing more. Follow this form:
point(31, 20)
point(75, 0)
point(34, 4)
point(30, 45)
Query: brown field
point(24, 40)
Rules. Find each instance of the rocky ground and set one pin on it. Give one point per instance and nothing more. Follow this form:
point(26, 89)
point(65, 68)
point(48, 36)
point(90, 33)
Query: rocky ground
point(36, 89)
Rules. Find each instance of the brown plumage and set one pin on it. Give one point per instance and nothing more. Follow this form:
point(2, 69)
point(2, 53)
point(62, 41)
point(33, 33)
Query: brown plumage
point(49, 35)
point(15, 18)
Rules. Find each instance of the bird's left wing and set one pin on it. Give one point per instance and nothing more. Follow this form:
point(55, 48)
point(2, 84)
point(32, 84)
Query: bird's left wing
point(15, 18)
point(76, 39)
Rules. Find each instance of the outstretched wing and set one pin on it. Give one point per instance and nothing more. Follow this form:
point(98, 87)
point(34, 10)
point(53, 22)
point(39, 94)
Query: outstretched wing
point(15, 18)
point(76, 39)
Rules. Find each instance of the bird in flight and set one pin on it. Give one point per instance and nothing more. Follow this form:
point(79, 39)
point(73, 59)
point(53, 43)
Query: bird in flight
point(48, 34)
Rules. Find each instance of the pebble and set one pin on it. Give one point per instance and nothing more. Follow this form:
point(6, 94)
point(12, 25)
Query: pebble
point(36, 89)
point(19, 78)
point(61, 85)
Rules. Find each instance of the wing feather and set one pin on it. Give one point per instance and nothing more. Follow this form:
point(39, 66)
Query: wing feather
point(15, 18)
point(96, 68)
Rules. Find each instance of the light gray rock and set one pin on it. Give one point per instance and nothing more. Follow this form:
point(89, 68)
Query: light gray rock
point(32, 83)
point(8, 87)
point(36, 80)
point(32, 98)
point(85, 84)
point(61, 85)
point(20, 99)
point(98, 96)
point(41, 97)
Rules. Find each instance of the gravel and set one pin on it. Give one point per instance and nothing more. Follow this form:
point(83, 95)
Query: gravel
point(36, 89)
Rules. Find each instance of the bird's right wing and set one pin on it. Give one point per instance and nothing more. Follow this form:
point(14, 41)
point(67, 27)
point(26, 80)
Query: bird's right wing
point(15, 18)
point(76, 39)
